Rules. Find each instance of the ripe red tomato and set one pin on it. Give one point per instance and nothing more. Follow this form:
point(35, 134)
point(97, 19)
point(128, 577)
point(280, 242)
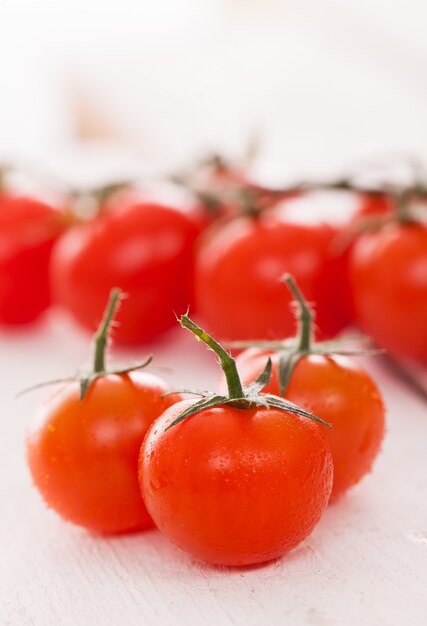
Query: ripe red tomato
point(28, 229)
point(341, 393)
point(83, 454)
point(146, 250)
point(84, 443)
point(388, 279)
point(235, 486)
point(238, 267)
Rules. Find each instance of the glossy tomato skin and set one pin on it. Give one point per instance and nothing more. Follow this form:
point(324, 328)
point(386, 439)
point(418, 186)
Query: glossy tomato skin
point(144, 249)
point(235, 487)
point(388, 279)
point(239, 293)
point(341, 393)
point(28, 230)
point(83, 454)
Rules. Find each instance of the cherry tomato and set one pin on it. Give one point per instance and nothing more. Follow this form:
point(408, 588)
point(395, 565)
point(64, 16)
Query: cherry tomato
point(341, 393)
point(28, 229)
point(83, 454)
point(145, 249)
point(84, 442)
point(238, 267)
point(233, 486)
point(341, 211)
point(388, 278)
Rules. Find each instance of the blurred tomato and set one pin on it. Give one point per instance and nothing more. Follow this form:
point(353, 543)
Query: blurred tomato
point(28, 229)
point(388, 276)
point(238, 269)
point(345, 212)
point(146, 249)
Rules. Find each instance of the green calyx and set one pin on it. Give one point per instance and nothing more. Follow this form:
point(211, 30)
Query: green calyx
point(290, 351)
point(238, 396)
point(101, 341)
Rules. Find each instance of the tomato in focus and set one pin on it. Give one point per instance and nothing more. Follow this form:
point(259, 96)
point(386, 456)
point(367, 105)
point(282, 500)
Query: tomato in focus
point(235, 487)
point(83, 454)
point(341, 393)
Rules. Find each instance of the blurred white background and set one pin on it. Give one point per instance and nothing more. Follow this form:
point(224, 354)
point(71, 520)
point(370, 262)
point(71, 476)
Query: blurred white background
point(322, 82)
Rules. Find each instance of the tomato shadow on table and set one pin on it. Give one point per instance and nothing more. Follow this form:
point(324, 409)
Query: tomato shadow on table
point(142, 547)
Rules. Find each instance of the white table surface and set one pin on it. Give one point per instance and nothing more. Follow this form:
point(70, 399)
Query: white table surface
point(324, 82)
point(365, 563)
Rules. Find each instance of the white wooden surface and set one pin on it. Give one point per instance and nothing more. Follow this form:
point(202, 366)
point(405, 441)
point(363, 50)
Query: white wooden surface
point(366, 562)
point(324, 81)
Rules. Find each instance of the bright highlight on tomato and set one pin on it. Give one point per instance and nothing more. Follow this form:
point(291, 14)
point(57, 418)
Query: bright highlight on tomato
point(238, 478)
point(320, 377)
point(83, 451)
point(146, 250)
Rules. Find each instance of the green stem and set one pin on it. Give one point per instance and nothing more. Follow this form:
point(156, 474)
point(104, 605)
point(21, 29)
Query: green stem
point(248, 203)
point(101, 336)
point(305, 316)
point(228, 364)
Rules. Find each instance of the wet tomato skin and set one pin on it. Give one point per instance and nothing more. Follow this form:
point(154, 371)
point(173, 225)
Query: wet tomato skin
point(144, 249)
point(341, 393)
point(235, 487)
point(83, 454)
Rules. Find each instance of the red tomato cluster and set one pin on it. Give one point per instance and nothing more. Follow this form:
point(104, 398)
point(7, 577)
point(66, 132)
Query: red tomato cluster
point(362, 267)
point(321, 378)
point(234, 477)
point(230, 272)
point(243, 474)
